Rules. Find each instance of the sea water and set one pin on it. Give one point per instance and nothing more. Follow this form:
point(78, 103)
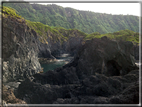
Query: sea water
point(61, 60)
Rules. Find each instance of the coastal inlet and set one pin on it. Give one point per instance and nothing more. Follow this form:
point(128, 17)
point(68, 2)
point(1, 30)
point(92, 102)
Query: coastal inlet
point(51, 64)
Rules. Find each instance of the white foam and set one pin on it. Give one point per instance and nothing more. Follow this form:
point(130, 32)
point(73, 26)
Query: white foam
point(64, 55)
point(138, 64)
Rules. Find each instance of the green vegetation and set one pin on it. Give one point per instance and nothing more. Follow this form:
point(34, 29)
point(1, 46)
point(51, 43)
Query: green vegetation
point(9, 11)
point(44, 31)
point(126, 35)
point(68, 18)
point(60, 34)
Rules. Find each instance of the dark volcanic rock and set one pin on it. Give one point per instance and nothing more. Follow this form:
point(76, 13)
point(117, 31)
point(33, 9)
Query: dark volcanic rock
point(41, 94)
point(57, 46)
point(97, 89)
point(20, 51)
point(73, 44)
point(64, 76)
point(103, 72)
point(44, 51)
point(112, 58)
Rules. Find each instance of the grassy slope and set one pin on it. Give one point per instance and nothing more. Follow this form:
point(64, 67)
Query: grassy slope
point(69, 18)
point(126, 35)
point(61, 34)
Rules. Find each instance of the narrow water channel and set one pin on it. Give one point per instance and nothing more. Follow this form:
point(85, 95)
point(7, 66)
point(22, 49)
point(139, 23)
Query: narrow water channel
point(61, 60)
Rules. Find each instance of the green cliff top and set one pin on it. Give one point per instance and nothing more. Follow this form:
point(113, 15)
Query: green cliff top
point(9, 11)
point(60, 34)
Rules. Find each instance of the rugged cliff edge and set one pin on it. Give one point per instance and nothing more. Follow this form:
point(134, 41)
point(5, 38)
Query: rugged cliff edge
point(20, 51)
point(103, 72)
point(25, 41)
point(56, 41)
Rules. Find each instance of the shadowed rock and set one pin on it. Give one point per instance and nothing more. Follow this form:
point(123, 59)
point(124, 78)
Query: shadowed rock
point(112, 58)
point(101, 73)
point(20, 51)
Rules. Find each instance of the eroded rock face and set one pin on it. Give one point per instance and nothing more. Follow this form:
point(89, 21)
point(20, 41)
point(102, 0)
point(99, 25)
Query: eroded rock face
point(20, 51)
point(103, 72)
point(107, 57)
point(73, 44)
point(56, 48)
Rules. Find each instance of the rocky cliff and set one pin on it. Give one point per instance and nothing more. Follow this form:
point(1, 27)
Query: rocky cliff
point(102, 72)
point(113, 57)
point(56, 41)
point(25, 41)
point(19, 49)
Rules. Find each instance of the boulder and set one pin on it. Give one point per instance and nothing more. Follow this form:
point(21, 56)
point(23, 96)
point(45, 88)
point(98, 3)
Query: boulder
point(36, 93)
point(62, 76)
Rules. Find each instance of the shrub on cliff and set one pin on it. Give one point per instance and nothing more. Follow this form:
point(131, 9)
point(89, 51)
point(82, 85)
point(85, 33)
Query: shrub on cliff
point(10, 11)
point(125, 35)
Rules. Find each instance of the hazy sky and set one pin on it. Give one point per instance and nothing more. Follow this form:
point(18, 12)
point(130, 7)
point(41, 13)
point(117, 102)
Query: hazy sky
point(110, 8)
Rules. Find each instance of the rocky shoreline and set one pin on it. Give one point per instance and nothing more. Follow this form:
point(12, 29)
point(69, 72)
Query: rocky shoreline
point(111, 81)
point(103, 71)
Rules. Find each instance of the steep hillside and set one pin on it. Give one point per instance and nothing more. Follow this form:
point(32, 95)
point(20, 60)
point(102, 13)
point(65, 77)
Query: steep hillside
point(19, 49)
point(25, 41)
point(88, 22)
point(56, 40)
point(22, 37)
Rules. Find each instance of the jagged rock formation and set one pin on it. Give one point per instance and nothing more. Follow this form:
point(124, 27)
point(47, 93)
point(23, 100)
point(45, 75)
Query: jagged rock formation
point(22, 46)
point(112, 58)
point(57, 47)
point(20, 51)
point(103, 72)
